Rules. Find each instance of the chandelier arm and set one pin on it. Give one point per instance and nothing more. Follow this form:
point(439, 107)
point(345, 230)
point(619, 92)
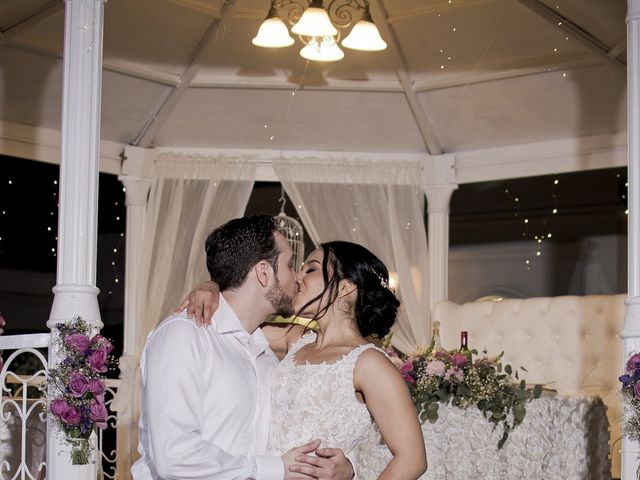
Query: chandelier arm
point(307, 40)
point(344, 13)
point(290, 10)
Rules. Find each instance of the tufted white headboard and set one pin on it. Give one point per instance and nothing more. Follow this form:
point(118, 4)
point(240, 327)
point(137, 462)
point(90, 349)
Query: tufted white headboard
point(570, 343)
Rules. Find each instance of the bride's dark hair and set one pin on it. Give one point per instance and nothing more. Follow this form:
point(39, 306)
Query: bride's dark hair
point(376, 306)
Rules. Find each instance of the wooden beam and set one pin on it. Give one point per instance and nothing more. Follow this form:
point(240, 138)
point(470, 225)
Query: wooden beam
point(44, 11)
point(560, 22)
point(402, 70)
point(157, 120)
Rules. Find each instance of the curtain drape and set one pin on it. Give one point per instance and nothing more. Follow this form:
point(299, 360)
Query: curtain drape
point(379, 204)
point(189, 197)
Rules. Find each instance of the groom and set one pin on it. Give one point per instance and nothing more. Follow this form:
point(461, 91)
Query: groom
point(206, 393)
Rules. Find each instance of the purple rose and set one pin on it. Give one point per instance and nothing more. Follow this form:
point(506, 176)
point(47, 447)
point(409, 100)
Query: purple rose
point(71, 416)
point(101, 343)
point(99, 414)
point(97, 361)
point(634, 362)
point(59, 407)
point(636, 390)
point(78, 384)
point(96, 386)
point(625, 379)
point(459, 360)
point(77, 341)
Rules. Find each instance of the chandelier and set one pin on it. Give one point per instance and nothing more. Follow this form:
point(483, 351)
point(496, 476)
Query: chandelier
point(320, 29)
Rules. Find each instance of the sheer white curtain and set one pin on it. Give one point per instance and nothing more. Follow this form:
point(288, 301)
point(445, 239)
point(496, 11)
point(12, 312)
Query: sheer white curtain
point(189, 197)
point(379, 204)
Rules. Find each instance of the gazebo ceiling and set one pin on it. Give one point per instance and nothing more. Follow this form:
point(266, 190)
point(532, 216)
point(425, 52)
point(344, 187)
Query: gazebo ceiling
point(458, 75)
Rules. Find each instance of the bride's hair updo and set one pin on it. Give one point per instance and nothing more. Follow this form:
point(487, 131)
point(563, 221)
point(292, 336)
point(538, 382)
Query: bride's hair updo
point(376, 305)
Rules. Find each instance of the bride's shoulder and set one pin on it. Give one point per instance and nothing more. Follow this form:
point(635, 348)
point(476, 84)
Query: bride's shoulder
point(373, 361)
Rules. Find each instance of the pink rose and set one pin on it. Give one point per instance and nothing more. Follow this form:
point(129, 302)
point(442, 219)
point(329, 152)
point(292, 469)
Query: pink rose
point(98, 414)
point(78, 342)
point(96, 386)
point(436, 367)
point(453, 373)
point(71, 416)
point(459, 360)
point(97, 361)
point(406, 367)
point(78, 384)
point(101, 343)
point(59, 406)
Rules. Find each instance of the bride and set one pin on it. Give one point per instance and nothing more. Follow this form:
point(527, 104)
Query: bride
point(332, 384)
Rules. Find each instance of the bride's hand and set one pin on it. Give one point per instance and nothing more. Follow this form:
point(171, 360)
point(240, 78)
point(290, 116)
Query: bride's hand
point(201, 302)
point(326, 464)
point(289, 458)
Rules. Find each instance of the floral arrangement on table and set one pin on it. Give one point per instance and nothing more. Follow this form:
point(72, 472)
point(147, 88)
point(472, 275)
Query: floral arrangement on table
point(463, 378)
point(630, 393)
point(79, 406)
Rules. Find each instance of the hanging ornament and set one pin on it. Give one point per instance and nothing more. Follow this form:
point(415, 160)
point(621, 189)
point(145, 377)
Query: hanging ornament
point(292, 231)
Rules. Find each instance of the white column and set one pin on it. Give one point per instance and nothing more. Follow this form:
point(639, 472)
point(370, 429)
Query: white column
point(137, 164)
point(75, 292)
point(438, 200)
point(631, 331)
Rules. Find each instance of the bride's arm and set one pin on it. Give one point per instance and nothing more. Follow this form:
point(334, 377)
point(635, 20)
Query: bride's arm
point(390, 404)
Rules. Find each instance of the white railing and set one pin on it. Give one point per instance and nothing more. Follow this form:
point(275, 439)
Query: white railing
point(23, 405)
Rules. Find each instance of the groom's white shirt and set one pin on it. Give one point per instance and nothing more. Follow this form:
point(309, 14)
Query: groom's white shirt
point(206, 401)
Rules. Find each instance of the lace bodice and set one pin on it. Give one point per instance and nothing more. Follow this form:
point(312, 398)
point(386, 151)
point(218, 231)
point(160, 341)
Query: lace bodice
point(310, 401)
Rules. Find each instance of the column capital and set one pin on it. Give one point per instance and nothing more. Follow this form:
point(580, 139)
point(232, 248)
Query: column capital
point(136, 189)
point(439, 197)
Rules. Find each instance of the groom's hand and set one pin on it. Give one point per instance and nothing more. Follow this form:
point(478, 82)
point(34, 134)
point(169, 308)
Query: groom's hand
point(289, 458)
point(328, 464)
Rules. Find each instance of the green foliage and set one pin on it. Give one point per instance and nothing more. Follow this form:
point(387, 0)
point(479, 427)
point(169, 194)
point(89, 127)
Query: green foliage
point(464, 379)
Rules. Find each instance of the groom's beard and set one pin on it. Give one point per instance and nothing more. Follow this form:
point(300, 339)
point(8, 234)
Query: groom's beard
point(281, 302)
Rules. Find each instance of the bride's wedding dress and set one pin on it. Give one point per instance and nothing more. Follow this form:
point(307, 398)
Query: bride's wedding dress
point(316, 401)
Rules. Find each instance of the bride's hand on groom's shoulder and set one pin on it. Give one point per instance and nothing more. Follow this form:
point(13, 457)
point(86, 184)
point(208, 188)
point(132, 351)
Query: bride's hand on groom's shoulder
point(326, 464)
point(201, 302)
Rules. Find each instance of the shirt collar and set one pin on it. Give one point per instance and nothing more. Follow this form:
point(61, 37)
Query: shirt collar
point(225, 319)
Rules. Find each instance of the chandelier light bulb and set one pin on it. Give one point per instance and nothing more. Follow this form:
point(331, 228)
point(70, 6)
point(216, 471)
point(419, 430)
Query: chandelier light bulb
point(325, 51)
point(273, 33)
point(364, 36)
point(315, 22)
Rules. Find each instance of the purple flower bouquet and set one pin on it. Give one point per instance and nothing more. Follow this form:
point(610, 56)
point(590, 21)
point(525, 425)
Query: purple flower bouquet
point(78, 380)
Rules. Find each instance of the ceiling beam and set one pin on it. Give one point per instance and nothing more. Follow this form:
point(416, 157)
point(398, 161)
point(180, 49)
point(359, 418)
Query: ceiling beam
point(111, 65)
point(425, 127)
point(569, 63)
point(44, 11)
point(579, 34)
point(430, 8)
point(618, 48)
point(143, 72)
point(146, 136)
point(196, 6)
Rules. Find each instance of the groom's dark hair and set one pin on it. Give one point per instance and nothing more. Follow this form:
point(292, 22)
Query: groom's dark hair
point(235, 247)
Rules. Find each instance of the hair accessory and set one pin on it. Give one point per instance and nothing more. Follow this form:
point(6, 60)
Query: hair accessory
point(383, 281)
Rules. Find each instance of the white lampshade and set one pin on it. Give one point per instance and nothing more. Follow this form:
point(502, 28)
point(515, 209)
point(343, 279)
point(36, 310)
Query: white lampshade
point(325, 51)
point(364, 36)
point(273, 33)
point(315, 22)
